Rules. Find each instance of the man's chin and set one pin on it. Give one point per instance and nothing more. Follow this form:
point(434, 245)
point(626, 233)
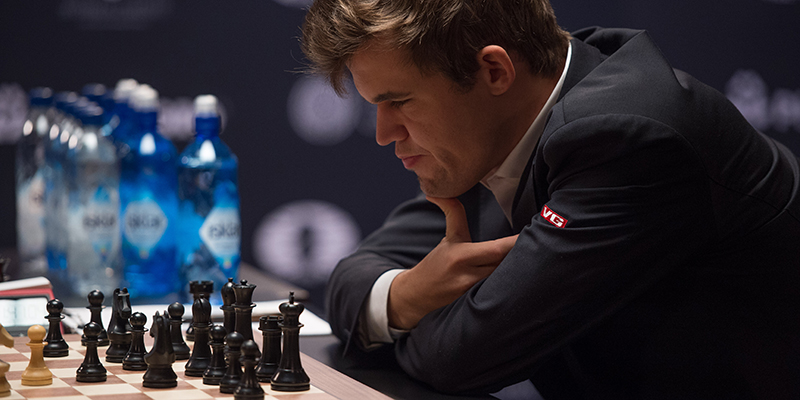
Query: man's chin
point(434, 188)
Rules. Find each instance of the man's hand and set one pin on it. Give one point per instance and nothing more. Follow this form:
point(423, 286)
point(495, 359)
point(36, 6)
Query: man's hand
point(447, 272)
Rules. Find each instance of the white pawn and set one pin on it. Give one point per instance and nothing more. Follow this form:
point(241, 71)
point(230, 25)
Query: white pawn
point(37, 373)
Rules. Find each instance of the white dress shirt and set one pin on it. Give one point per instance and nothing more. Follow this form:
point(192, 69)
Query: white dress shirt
point(501, 181)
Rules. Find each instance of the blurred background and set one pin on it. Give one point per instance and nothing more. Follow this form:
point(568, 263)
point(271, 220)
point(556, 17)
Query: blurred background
point(312, 180)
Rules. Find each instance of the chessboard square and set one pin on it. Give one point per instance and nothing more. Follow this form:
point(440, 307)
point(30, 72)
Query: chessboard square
point(116, 368)
point(17, 384)
point(17, 365)
point(73, 355)
point(14, 357)
point(132, 378)
point(64, 372)
point(189, 394)
point(8, 350)
point(198, 383)
point(105, 388)
point(44, 392)
point(63, 363)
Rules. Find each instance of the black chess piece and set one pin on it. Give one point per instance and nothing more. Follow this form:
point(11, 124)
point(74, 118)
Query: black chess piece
point(270, 346)
point(91, 369)
point(160, 358)
point(229, 381)
point(201, 352)
point(244, 309)
point(134, 360)
point(198, 289)
point(216, 368)
point(180, 347)
point(248, 387)
point(56, 345)
point(290, 376)
point(119, 328)
point(228, 312)
point(194, 290)
point(95, 307)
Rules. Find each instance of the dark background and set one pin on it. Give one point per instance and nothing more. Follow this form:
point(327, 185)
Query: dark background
point(305, 203)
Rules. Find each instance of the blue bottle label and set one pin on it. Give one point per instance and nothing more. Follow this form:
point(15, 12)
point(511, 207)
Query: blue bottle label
point(101, 226)
point(221, 233)
point(143, 225)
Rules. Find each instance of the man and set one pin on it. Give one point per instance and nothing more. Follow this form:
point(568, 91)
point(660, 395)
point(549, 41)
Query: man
point(609, 226)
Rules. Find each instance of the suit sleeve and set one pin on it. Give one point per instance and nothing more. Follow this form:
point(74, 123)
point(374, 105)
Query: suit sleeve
point(633, 204)
point(410, 232)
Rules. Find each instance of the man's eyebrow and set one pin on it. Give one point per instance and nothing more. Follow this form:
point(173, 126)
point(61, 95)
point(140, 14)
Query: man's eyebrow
point(388, 96)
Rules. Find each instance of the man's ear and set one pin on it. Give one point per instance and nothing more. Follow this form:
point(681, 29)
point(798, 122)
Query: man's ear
point(496, 69)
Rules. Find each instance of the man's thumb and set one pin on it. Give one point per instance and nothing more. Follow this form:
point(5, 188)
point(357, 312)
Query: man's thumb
point(456, 218)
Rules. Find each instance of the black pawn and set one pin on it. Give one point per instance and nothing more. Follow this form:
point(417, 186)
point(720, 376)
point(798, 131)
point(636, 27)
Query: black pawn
point(119, 328)
point(249, 388)
point(134, 360)
point(216, 368)
point(180, 347)
point(233, 343)
point(95, 307)
point(228, 313)
point(160, 358)
point(290, 376)
point(201, 352)
point(271, 346)
point(56, 345)
point(91, 369)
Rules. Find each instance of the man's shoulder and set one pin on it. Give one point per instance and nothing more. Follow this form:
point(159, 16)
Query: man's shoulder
point(617, 71)
point(633, 77)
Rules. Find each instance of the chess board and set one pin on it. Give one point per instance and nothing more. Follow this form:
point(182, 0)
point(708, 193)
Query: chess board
point(127, 385)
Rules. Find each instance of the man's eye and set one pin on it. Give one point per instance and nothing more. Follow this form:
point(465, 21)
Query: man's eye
point(398, 103)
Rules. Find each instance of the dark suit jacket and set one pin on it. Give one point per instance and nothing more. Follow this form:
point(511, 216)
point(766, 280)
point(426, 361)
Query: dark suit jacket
point(658, 256)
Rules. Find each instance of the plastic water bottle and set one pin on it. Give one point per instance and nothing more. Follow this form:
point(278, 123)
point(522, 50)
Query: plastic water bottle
point(93, 252)
point(30, 183)
point(149, 203)
point(56, 190)
point(210, 234)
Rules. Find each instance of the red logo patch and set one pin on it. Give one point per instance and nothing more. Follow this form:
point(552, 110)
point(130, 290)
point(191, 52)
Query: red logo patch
point(553, 218)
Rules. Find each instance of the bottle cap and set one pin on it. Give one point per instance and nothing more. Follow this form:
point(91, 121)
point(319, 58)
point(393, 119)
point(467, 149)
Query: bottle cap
point(144, 98)
point(124, 88)
point(205, 104)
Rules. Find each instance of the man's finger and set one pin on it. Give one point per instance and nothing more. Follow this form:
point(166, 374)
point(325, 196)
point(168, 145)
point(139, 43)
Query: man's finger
point(455, 217)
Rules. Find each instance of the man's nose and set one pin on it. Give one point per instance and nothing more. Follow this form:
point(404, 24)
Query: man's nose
point(389, 127)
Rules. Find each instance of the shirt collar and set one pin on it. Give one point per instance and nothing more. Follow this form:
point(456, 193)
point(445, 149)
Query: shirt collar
point(504, 180)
